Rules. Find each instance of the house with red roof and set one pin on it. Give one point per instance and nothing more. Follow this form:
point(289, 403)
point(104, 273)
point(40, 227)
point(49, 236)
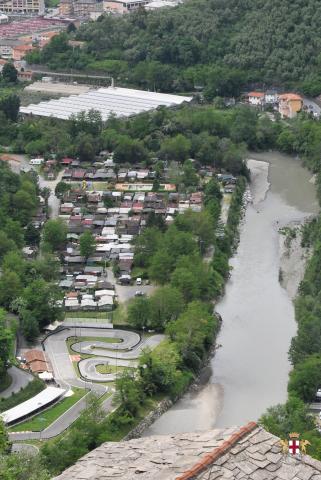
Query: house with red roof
point(256, 98)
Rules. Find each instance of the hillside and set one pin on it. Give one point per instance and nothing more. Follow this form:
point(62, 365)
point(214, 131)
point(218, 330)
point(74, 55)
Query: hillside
point(218, 43)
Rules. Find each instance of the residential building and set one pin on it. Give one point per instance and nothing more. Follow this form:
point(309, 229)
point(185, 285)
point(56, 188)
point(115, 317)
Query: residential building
point(125, 6)
point(7, 46)
point(83, 8)
point(20, 51)
point(4, 18)
point(290, 104)
point(25, 76)
point(66, 8)
point(256, 98)
point(156, 4)
point(36, 7)
point(271, 96)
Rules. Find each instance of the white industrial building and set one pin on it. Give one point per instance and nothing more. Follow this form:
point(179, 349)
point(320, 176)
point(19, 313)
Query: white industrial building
point(32, 406)
point(122, 102)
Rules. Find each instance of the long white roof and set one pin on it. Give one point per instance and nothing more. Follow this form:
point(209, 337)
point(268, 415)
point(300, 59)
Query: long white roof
point(29, 406)
point(121, 102)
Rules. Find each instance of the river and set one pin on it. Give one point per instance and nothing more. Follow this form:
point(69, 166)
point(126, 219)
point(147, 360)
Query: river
point(250, 369)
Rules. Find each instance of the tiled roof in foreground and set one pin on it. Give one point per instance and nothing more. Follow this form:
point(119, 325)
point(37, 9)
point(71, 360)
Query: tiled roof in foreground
point(248, 453)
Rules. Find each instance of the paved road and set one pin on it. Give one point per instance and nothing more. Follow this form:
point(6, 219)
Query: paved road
point(126, 292)
point(22, 163)
point(312, 106)
point(20, 379)
point(58, 426)
point(62, 423)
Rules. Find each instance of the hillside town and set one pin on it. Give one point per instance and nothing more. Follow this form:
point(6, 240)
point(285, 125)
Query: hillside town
point(160, 189)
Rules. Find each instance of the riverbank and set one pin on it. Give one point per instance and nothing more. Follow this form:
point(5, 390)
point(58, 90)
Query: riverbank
point(244, 372)
point(293, 259)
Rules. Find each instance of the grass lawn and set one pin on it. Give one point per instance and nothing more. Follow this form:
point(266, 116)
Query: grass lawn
point(5, 382)
point(120, 315)
point(71, 340)
point(104, 368)
point(44, 419)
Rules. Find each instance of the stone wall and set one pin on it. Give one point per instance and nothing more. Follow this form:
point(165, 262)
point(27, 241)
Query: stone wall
point(158, 411)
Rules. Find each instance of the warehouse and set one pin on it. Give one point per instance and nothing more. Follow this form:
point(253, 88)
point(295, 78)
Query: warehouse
point(122, 102)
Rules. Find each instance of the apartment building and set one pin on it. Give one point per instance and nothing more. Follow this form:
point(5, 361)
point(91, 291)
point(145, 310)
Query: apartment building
point(36, 7)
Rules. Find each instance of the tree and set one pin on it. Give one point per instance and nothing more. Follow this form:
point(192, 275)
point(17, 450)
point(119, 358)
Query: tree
point(10, 105)
point(21, 466)
point(193, 330)
point(5, 344)
point(14, 262)
point(32, 235)
point(62, 188)
point(159, 369)
point(130, 151)
point(165, 305)
point(87, 244)
point(71, 27)
point(9, 73)
point(160, 267)
point(128, 393)
point(146, 244)
point(138, 313)
point(305, 378)
point(186, 282)
point(25, 204)
point(5, 444)
point(10, 287)
point(189, 177)
point(30, 326)
point(85, 148)
point(6, 244)
point(293, 416)
point(55, 234)
point(176, 148)
point(42, 299)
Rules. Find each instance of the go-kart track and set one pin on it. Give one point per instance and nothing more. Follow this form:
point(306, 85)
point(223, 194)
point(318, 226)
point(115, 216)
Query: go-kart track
point(122, 353)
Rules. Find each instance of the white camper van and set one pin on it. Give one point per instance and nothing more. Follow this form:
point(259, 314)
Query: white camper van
point(36, 161)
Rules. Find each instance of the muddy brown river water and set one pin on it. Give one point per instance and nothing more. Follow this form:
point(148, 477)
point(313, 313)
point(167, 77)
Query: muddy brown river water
point(250, 370)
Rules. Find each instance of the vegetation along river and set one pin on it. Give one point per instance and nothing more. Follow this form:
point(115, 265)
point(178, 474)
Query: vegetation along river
point(250, 369)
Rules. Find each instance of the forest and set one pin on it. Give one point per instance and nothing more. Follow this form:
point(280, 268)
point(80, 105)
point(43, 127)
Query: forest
point(219, 45)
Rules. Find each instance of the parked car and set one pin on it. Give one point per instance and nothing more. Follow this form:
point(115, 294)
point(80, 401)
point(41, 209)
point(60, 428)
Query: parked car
point(139, 293)
point(139, 281)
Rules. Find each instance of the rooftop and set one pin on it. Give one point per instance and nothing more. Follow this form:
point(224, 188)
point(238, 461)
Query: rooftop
point(290, 96)
point(248, 453)
point(31, 25)
point(256, 94)
point(111, 100)
point(26, 408)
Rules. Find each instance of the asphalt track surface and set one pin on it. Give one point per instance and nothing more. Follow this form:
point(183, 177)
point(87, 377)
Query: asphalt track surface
point(128, 349)
point(65, 375)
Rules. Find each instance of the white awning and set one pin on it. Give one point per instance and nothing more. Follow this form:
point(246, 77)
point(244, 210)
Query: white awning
point(32, 405)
